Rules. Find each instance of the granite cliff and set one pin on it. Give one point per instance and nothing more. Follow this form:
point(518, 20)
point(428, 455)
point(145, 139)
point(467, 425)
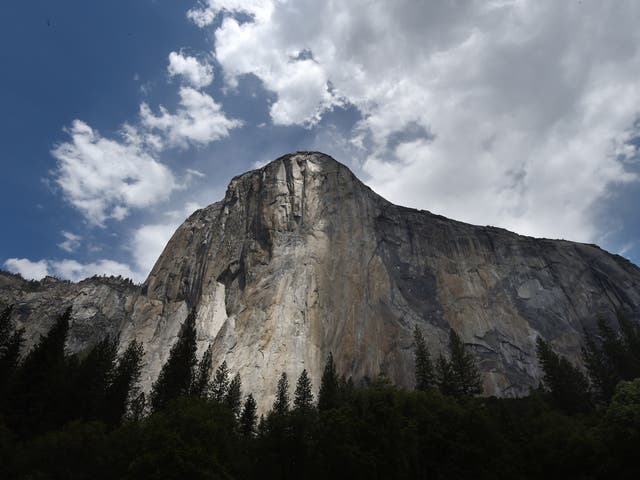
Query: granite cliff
point(301, 259)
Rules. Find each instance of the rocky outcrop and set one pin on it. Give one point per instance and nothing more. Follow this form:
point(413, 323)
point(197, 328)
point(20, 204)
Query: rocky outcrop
point(301, 259)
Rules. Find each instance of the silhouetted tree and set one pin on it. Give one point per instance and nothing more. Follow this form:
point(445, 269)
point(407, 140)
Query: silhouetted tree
point(612, 356)
point(329, 394)
point(281, 404)
point(201, 383)
point(466, 376)
point(11, 342)
point(6, 327)
point(93, 377)
point(124, 385)
point(303, 396)
point(445, 379)
point(423, 366)
point(137, 407)
point(176, 376)
point(567, 385)
point(248, 417)
point(233, 398)
point(220, 384)
point(39, 394)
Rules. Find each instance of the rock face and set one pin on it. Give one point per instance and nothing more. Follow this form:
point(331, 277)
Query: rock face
point(301, 259)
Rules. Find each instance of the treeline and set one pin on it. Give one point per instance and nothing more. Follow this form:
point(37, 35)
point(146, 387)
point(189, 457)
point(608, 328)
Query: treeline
point(82, 416)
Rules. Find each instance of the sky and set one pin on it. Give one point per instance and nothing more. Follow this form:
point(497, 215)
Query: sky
point(119, 119)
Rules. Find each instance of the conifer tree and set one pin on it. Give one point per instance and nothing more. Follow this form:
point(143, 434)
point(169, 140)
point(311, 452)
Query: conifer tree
point(176, 376)
point(444, 376)
point(329, 394)
point(281, 404)
point(567, 386)
point(466, 376)
point(303, 397)
point(94, 374)
point(11, 342)
point(124, 389)
point(423, 366)
point(6, 327)
point(248, 417)
point(220, 384)
point(137, 407)
point(201, 382)
point(38, 399)
point(233, 398)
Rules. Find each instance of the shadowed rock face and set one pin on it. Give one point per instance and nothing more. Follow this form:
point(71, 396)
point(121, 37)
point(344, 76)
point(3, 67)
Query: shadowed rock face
point(301, 259)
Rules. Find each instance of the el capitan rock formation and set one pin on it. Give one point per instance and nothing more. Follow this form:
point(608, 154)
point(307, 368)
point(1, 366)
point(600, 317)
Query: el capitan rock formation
point(301, 259)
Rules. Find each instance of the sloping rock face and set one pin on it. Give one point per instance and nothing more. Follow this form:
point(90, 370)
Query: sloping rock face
point(301, 259)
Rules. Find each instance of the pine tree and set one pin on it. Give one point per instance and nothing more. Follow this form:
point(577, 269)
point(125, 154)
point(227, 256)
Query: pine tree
point(11, 342)
point(220, 384)
point(233, 398)
point(201, 382)
point(445, 379)
point(123, 385)
point(303, 397)
point(248, 417)
point(176, 376)
point(94, 374)
point(6, 327)
point(466, 376)
point(567, 385)
point(281, 404)
point(329, 394)
point(423, 366)
point(602, 373)
point(39, 393)
point(137, 408)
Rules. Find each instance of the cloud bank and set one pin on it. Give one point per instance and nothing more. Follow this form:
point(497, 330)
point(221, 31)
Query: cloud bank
point(524, 106)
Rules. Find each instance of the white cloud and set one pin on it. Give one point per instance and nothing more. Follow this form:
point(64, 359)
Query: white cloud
point(527, 103)
point(199, 120)
point(149, 240)
point(71, 241)
point(104, 178)
point(28, 269)
point(195, 73)
point(76, 271)
point(69, 269)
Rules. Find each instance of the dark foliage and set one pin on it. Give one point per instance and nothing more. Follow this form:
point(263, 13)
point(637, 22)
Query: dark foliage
point(201, 382)
point(281, 404)
point(458, 376)
point(176, 376)
point(612, 356)
point(233, 399)
point(329, 395)
point(220, 384)
point(303, 396)
point(567, 385)
point(122, 393)
point(425, 378)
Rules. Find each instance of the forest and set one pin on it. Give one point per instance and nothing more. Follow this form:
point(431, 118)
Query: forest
point(84, 416)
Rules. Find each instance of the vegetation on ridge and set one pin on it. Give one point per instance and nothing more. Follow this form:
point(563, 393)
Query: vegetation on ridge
point(82, 416)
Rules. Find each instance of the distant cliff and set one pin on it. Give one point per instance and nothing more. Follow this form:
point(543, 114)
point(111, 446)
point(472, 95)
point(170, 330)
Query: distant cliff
point(301, 259)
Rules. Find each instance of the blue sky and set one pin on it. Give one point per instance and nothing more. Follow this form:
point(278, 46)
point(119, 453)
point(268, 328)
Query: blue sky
point(120, 118)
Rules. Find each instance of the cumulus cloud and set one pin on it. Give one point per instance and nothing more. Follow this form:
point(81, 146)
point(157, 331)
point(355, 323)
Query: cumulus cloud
point(198, 121)
point(525, 105)
point(75, 271)
point(104, 178)
point(68, 269)
point(149, 240)
point(197, 74)
point(28, 269)
point(71, 241)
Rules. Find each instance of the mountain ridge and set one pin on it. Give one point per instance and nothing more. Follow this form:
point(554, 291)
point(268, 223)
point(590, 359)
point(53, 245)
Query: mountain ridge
point(300, 258)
